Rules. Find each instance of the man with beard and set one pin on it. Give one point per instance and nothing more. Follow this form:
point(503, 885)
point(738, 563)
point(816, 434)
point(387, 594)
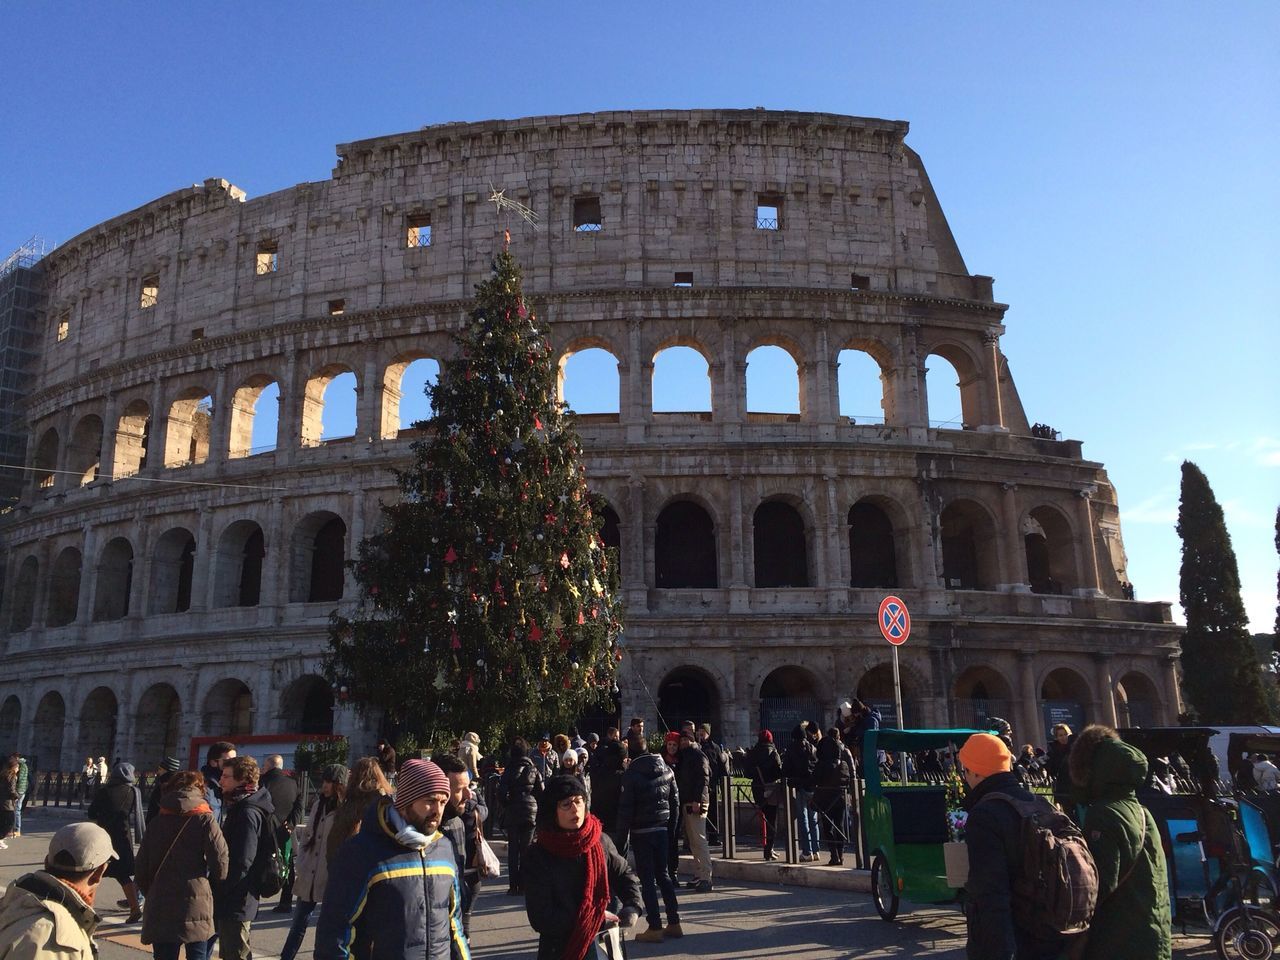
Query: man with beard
point(462, 822)
point(246, 823)
point(393, 887)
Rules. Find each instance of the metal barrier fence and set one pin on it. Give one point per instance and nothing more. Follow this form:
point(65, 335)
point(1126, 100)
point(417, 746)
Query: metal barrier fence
point(745, 820)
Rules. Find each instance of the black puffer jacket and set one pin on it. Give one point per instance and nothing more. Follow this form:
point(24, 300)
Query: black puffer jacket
point(244, 826)
point(605, 770)
point(554, 889)
point(693, 776)
point(800, 759)
point(994, 838)
point(518, 788)
point(649, 796)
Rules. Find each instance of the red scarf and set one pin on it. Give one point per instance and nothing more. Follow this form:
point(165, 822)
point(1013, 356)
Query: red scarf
point(595, 891)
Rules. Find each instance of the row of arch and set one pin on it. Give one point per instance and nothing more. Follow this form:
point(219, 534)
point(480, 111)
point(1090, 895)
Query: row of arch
point(60, 738)
point(233, 575)
point(197, 424)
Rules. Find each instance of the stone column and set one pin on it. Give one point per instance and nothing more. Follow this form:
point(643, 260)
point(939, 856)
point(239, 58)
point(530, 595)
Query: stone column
point(911, 404)
point(637, 407)
point(635, 571)
point(369, 397)
point(355, 533)
point(143, 567)
point(1105, 697)
point(265, 707)
point(1173, 691)
point(739, 544)
point(1029, 698)
point(220, 428)
point(88, 578)
point(289, 425)
point(110, 424)
point(993, 417)
point(278, 561)
point(158, 435)
point(1091, 586)
point(126, 723)
point(61, 478)
point(1015, 566)
point(822, 403)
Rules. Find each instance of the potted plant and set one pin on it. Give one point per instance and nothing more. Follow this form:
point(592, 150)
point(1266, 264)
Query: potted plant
point(955, 852)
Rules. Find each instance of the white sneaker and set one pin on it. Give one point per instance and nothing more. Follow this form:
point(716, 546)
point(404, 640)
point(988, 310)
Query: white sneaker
point(3, 845)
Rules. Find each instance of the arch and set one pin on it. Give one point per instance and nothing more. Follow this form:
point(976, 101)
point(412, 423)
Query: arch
point(10, 724)
point(133, 436)
point(84, 456)
point(45, 462)
point(1064, 696)
point(953, 387)
point(1050, 551)
point(588, 380)
point(689, 693)
point(862, 386)
point(788, 695)
point(875, 544)
point(679, 370)
point(255, 417)
point(172, 569)
point(969, 559)
point(306, 706)
point(22, 607)
point(114, 580)
point(684, 548)
point(64, 588)
point(157, 723)
point(237, 565)
point(329, 405)
point(773, 384)
point(228, 709)
point(611, 532)
point(981, 692)
point(1138, 700)
point(781, 554)
point(405, 392)
point(188, 428)
point(97, 734)
point(876, 688)
point(319, 558)
point(46, 731)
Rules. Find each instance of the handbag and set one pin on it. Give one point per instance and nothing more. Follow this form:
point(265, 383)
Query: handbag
point(487, 861)
point(609, 944)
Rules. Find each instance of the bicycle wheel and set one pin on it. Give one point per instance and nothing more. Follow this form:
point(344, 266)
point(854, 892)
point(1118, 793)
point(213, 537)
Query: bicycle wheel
point(883, 893)
point(1244, 933)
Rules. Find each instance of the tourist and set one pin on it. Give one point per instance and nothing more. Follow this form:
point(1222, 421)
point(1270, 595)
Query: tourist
point(1265, 773)
point(544, 758)
point(379, 879)
point(212, 770)
point(608, 760)
point(312, 858)
point(635, 734)
point(23, 784)
point(286, 798)
point(365, 786)
point(797, 770)
point(693, 783)
point(571, 765)
point(49, 913)
point(246, 824)
point(1055, 765)
point(1132, 919)
point(168, 767)
point(647, 814)
point(387, 760)
point(763, 765)
point(718, 759)
point(519, 787)
point(8, 799)
point(469, 753)
point(575, 875)
point(463, 823)
point(832, 772)
point(182, 852)
point(117, 808)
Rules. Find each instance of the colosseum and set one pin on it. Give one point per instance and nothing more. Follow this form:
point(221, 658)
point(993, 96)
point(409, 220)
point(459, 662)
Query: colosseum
point(169, 572)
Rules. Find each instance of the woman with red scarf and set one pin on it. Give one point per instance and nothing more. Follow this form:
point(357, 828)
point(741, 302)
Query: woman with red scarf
point(575, 879)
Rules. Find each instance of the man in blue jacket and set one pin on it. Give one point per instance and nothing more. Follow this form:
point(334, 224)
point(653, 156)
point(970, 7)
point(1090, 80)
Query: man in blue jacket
point(394, 890)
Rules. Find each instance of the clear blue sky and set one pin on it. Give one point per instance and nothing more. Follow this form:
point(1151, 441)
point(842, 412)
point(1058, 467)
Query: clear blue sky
point(1113, 166)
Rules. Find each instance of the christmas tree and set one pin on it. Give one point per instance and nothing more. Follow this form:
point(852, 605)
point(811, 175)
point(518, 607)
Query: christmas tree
point(488, 600)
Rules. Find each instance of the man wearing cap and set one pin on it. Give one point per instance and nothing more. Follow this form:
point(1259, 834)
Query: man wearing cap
point(49, 913)
point(394, 890)
point(168, 767)
point(994, 837)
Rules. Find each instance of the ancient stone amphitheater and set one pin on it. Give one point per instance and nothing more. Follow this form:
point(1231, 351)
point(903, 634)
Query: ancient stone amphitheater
point(167, 577)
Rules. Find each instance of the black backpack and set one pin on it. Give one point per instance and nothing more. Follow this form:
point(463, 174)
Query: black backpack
point(267, 875)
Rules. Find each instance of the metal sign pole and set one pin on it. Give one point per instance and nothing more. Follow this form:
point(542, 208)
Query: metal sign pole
point(897, 698)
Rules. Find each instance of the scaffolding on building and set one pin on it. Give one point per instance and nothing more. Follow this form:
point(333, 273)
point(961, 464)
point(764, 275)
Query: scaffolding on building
point(22, 299)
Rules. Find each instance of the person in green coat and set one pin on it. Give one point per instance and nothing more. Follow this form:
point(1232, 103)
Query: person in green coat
point(1132, 919)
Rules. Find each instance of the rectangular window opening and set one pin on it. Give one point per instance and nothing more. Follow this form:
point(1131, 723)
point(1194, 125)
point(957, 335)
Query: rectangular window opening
point(337, 308)
point(268, 259)
point(768, 212)
point(197, 333)
point(418, 231)
point(684, 278)
point(586, 214)
point(149, 295)
point(859, 281)
point(64, 326)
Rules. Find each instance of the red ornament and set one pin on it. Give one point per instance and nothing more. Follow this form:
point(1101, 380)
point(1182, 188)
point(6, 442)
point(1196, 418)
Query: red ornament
point(454, 642)
point(450, 556)
point(535, 633)
point(471, 683)
point(537, 424)
point(581, 618)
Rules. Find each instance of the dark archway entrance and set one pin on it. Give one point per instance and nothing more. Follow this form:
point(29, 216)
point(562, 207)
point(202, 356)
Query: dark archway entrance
point(688, 693)
point(788, 696)
point(684, 548)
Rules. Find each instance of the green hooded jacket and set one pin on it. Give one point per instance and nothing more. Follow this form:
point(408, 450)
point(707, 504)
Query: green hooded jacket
point(1132, 920)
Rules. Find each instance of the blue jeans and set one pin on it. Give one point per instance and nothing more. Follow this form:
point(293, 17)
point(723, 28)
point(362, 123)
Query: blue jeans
point(301, 914)
point(650, 850)
point(169, 951)
point(806, 822)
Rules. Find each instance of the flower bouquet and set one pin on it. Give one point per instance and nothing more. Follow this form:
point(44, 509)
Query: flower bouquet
point(955, 853)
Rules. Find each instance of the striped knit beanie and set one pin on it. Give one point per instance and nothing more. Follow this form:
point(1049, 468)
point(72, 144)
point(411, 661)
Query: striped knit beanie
point(417, 779)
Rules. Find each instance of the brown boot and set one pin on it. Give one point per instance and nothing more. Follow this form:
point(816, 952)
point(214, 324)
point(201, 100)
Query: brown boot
point(673, 931)
point(652, 935)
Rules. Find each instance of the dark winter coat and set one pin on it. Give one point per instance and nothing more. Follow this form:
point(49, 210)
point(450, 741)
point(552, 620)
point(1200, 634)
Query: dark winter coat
point(831, 772)
point(798, 764)
point(693, 776)
point(519, 787)
point(649, 800)
point(244, 825)
point(286, 798)
point(554, 889)
point(157, 792)
point(213, 789)
point(605, 770)
point(763, 765)
point(183, 850)
point(1055, 763)
point(112, 809)
point(389, 900)
point(994, 837)
point(1132, 919)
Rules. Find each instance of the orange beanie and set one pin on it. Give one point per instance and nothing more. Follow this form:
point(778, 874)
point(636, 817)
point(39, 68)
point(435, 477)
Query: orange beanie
point(986, 754)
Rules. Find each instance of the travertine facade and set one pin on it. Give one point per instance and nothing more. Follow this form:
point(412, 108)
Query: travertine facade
point(755, 547)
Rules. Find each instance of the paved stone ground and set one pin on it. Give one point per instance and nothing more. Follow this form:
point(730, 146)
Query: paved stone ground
point(739, 921)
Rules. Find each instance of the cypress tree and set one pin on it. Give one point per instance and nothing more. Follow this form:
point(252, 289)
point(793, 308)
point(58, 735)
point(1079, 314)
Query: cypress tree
point(1222, 679)
point(488, 600)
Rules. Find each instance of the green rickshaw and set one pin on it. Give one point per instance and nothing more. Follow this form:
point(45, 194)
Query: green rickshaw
point(906, 825)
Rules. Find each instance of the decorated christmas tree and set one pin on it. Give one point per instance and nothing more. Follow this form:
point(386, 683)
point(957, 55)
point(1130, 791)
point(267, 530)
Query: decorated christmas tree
point(487, 601)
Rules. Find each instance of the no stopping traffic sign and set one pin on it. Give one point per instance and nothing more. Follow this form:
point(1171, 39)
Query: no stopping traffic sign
point(895, 622)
